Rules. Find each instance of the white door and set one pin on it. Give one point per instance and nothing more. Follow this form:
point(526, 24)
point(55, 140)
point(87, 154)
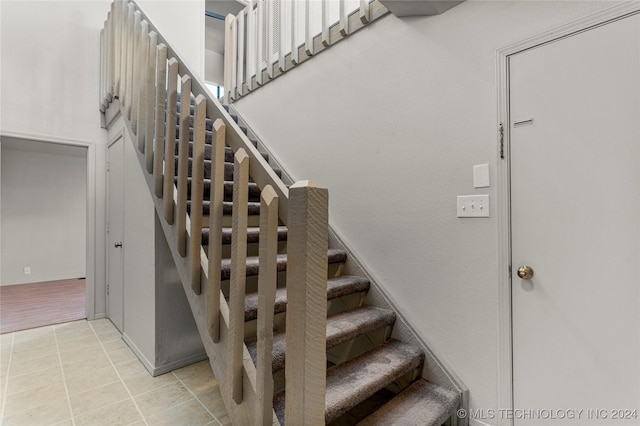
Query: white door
point(575, 211)
point(115, 220)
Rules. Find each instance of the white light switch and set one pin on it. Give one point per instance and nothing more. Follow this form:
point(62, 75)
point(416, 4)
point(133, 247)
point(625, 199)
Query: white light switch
point(481, 176)
point(27, 270)
point(473, 205)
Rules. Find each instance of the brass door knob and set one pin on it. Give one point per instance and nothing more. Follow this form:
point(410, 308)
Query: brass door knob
point(525, 272)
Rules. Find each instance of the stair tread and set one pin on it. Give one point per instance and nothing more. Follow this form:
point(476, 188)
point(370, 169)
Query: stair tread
point(341, 328)
point(253, 235)
point(422, 403)
point(334, 255)
point(254, 190)
point(343, 285)
point(352, 382)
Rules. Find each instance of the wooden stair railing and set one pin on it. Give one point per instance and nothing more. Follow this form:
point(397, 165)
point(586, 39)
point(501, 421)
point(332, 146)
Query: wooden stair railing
point(142, 70)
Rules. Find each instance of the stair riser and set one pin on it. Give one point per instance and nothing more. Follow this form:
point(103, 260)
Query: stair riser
point(228, 169)
point(208, 136)
point(254, 191)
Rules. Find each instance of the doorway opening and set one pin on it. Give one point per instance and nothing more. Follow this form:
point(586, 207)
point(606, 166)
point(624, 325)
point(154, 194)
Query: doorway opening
point(43, 263)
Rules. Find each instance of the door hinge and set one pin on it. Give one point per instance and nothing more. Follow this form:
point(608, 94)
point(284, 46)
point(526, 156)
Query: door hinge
point(108, 166)
point(501, 141)
point(107, 289)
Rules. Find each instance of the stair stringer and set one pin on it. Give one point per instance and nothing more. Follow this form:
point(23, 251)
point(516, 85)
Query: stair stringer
point(435, 368)
point(240, 414)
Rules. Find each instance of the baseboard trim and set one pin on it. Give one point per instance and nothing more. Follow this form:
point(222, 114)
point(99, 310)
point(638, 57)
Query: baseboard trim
point(179, 363)
point(147, 364)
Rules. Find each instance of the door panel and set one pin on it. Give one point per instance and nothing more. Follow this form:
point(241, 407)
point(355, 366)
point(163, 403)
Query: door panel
point(575, 208)
point(115, 253)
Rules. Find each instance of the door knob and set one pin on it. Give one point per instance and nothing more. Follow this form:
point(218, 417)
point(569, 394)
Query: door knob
point(525, 272)
point(116, 245)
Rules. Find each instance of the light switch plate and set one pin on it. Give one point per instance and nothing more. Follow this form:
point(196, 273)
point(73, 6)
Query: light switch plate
point(473, 205)
point(481, 176)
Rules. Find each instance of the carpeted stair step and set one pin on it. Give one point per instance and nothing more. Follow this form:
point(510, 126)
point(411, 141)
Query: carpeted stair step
point(228, 152)
point(253, 267)
point(341, 328)
point(192, 121)
point(253, 209)
point(341, 286)
point(352, 382)
point(228, 169)
point(254, 190)
point(208, 135)
point(253, 235)
point(422, 403)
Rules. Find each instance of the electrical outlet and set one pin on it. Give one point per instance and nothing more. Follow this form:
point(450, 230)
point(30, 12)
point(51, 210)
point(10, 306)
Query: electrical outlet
point(473, 205)
point(27, 270)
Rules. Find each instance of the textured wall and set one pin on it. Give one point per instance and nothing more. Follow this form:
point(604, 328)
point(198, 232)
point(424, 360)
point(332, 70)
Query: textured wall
point(392, 121)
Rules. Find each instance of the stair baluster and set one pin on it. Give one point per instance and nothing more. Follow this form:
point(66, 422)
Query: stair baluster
point(149, 104)
point(238, 271)
point(216, 214)
point(170, 145)
point(197, 189)
point(267, 281)
point(141, 123)
point(183, 164)
point(161, 90)
point(135, 73)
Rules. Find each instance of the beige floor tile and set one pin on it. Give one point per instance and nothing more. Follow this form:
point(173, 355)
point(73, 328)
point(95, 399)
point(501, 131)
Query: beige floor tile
point(51, 412)
point(34, 334)
point(72, 334)
point(224, 421)
point(6, 339)
point(102, 325)
point(190, 413)
point(78, 343)
point(73, 325)
point(114, 345)
point(36, 343)
point(122, 355)
point(37, 379)
point(130, 368)
point(94, 399)
point(119, 414)
point(97, 378)
point(201, 368)
point(24, 355)
point(163, 398)
point(34, 397)
point(109, 335)
point(144, 382)
point(67, 422)
point(86, 366)
point(20, 366)
point(71, 357)
point(212, 400)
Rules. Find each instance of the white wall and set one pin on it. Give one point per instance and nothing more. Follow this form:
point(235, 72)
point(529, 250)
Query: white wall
point(43, 216)
point(181, 22)
point(49, 62)
point(392, 121)
point(214, 67)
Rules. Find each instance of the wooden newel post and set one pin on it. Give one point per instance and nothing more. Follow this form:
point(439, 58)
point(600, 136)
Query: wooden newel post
point(307, 304)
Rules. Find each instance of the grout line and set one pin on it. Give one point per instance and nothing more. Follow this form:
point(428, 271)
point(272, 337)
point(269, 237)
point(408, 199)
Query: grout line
point(6, 384)
point(144, 419)
point(196, 397)
point(64, 379)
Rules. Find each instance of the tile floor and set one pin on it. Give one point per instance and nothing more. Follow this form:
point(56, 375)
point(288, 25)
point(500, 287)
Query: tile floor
point(82, 373)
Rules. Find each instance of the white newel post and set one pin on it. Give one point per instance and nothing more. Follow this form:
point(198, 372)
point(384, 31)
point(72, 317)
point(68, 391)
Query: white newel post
point(306, 365)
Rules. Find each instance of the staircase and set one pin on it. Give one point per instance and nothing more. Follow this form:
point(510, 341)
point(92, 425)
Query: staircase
point(253, 279)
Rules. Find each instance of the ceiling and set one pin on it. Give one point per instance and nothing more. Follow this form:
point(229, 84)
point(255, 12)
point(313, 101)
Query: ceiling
point(214, 28)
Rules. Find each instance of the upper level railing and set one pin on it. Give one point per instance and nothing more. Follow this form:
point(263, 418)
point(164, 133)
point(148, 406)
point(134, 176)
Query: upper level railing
point(270, 37)
point(150, 80)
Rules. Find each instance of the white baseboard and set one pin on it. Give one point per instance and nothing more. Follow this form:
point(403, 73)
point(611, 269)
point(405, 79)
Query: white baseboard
point(165, 368)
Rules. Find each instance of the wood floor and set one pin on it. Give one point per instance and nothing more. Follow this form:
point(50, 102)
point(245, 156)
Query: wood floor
point(26, 306)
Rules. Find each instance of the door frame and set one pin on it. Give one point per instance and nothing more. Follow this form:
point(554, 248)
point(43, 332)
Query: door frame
point(503, 202)
point(92, 239)
point(116, 137)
